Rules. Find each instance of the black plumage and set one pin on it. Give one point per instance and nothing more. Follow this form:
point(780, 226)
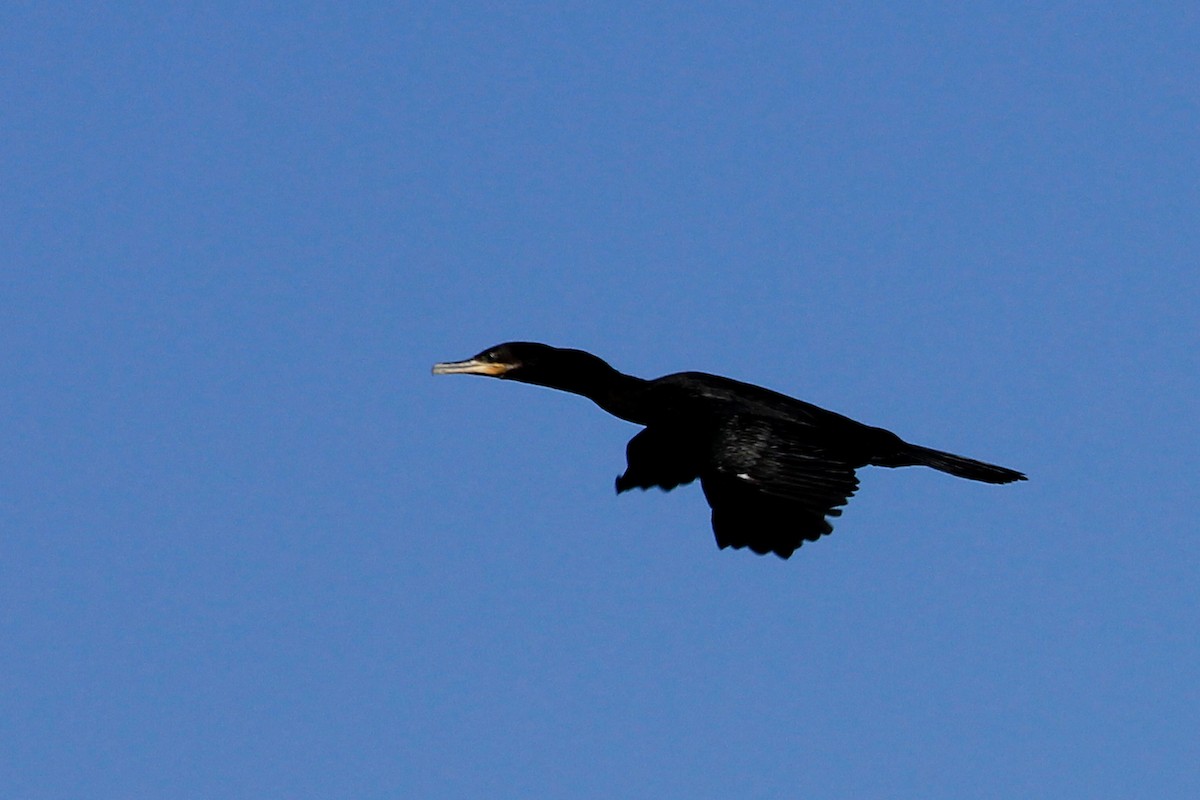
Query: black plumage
point(773, 468)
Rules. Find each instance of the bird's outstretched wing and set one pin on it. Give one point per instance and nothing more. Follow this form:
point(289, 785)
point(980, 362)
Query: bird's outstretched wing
point(769, 484)
point(661, 457)
point(771, 487)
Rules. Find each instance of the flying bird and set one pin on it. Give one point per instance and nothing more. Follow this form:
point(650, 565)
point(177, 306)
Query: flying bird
point(773, 468)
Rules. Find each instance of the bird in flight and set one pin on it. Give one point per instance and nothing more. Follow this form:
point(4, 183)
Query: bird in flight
point(773, 468)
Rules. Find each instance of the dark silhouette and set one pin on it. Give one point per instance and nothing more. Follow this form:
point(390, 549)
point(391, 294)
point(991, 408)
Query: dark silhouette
point(772, 467)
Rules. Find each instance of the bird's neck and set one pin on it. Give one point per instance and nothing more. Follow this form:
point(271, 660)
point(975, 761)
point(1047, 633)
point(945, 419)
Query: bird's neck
point(619, 394)
point(623, 396)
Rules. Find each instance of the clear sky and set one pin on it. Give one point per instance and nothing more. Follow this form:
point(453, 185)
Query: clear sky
point(250, 548)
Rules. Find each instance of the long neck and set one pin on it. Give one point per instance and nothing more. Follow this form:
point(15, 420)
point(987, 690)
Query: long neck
point(622, 396)
point(619, 394)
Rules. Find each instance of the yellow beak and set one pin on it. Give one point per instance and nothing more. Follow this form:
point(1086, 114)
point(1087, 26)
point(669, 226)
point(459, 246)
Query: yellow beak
point(472, 366)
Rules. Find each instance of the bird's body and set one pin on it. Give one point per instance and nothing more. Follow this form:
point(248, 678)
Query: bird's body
point(772, 467)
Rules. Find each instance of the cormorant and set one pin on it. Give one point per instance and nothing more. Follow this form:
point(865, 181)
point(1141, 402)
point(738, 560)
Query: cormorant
point(772, 467)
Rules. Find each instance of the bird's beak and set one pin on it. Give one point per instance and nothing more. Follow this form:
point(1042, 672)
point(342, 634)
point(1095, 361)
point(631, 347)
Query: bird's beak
point(472, 366)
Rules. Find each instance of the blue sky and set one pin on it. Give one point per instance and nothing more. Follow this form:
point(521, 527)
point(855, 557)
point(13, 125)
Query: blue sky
point(251, 548)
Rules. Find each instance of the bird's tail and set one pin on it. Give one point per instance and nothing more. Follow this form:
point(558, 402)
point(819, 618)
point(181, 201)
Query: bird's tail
point(969, 468)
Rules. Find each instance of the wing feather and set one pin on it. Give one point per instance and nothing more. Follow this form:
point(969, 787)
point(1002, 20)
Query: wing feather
point(770, 487)
point(660, 457)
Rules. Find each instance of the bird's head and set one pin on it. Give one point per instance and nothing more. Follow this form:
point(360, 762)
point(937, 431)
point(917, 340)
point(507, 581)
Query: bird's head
point(528, 362)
